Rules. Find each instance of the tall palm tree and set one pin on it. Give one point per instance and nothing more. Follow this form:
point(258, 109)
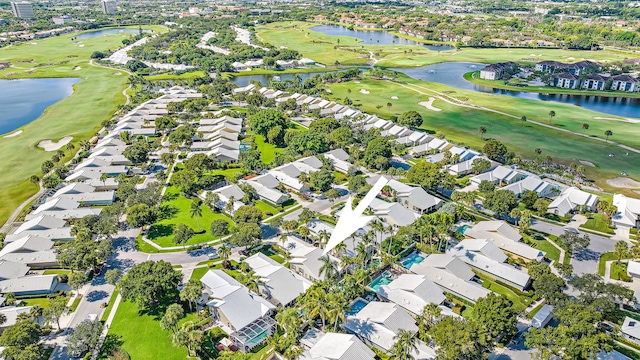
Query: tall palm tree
point(304, 232)
point(339, 249)
point(253, 282)
point(378, 227)
point(337, 305)
point(3, 319)
point(482, 130)
point(607, 134)
point(289, 320)
point(328, 268)
point(523, 120)
point(224, 252)
point(103, 178)
point(406, 343)
point(35, 180)
point(196, 210)
point(585, 126)
point(229, 207)
point(551, 115)
point(315, 304)
point(389, 105)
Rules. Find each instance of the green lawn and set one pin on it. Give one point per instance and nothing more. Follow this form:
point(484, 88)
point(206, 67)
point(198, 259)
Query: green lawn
point(95, 98)
point(175, 209)
point(172, 76)
point(198, 273)
point(230, 172)
point(551, 251)
point(75, 304)
point(617, 269)
point(598, 222)
point(602, 263)
point(267, 151)
point(141, 336)
point(266, 208)
point(56, 272)
point(43, 302)
point(460, 124)
point(491, 284)
point(107, 310)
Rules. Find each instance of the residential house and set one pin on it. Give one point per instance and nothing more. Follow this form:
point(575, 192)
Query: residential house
point(413, 198)
point(499, 175)
point(266, 187)
point(42, 222)
point(85, 194)
point(225, 195)
point(63, 208)
point(378, 323)
point(412, 293)
point(245, 316)
point(631, 329)
point(340, 160)
point(633, 269)
point(625, 83)
point(466, 167)
point(393, 213)
point(12, 270)
point(487, 258)
point(288, 174)
point(571, 199)
point(531, 183)
point(628, 211)
point(505, 237)
point(497, 70)
point(11, 314)
point(279, 285)
point(30, 285)
point(305, 259)
point(542, 317)
point(452, 275)
point(335, 346)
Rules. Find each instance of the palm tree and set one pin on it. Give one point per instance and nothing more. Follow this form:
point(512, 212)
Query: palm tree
point(482, 130)
point(85, 145)
point(621, 249)
point(523, 120)
point(406, 342)
point(315, 304)
point(196, 210)
point(229, 207)
point(378, 228)
point(289, 320)
point(585, 126)
point(538, 151)
point(224, 252)
point(339, 249)
point(337, 307)
point(304, 232)
point(551, 115)
point(35, 180)
point(190, 336)
point(328, 268)
point(607, 134)
point(253, 282)
point(103, 178)
point(389, 105)
point(69, 146)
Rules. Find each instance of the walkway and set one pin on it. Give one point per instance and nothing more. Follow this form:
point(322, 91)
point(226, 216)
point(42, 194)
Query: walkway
point(124, 92)
point(456, 102)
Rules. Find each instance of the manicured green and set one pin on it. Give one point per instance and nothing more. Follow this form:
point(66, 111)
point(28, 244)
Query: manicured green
point(75, 304)
point(551, 251)
point(142, 336)
point(618, 269)
point(602, 262)
point(266, 208)
point(598, 222)
point(227, 172)
point(491, 284)
point(172, 76)
point(56, 271)
point(177, 207)
point(198, 273)
point(460, 124)
point(267, 151)
point(95, 99)
point(42, 302)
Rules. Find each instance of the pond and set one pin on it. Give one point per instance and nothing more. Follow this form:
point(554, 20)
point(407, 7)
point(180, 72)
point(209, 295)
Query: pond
point(451, 74)
point(379, 37)
point(98, 33)
point(24, 100)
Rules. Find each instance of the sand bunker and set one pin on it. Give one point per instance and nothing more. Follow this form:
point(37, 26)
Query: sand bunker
point(77, 68)
point(587, 163)
point(624, 182)
point(13, 134)
point(635, 121)
point(429, 105)
point(364, 91)
point(394, 98)
point(49, 145)
point(117, 74)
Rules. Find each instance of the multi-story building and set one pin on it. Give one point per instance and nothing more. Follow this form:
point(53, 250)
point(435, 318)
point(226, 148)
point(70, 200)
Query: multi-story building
point(22, 9)
point(109, 6)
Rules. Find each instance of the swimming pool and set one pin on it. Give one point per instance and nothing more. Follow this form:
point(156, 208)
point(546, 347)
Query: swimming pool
point(245, 147)
point(412, 259)
point(357, 305)
point(462, 229)
point(384, 279)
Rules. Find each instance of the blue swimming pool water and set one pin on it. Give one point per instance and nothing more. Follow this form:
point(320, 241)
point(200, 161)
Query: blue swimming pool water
point(245, 147)
point(356, 306)
point(462, 229)
point(383, 279)
point(411, 260)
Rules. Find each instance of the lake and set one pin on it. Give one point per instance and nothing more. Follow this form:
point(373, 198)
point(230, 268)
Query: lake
point(381, 37)
point(97, 33)
point(24, 100)
point(451, 74)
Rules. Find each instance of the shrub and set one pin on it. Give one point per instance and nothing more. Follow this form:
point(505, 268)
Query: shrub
point(63, 278)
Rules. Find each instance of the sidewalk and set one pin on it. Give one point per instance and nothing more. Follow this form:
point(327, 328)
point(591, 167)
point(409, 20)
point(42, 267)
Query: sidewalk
point(105, 329)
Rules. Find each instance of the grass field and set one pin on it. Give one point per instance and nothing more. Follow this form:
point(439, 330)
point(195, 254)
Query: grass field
point(460, 124)
point(175, 210)
point(141, 336)
point(267, 209)
point(267, 151)
point(95, 98)
point(322, 48)
point(598, 222)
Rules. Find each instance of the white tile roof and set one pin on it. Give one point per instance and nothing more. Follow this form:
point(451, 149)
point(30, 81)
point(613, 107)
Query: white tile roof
point(412, 292)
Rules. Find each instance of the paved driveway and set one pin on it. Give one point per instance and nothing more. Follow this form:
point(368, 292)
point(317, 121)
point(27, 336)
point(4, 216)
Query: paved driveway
point(586, 261)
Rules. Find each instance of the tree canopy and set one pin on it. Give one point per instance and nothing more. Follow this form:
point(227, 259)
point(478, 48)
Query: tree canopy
point(150, 283)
